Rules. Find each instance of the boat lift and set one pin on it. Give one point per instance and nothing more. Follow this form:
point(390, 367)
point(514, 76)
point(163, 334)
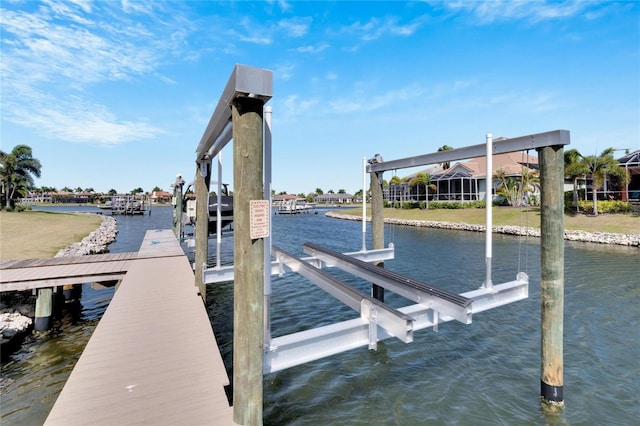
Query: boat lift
point(247, 91)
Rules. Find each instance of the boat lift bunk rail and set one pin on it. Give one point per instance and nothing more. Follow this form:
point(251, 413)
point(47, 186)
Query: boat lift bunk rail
point(395, 322)
point(377, 321)
point(458, 307)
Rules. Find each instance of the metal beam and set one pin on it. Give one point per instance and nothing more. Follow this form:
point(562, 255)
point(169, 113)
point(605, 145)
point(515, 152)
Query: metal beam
point(538, 140)
point(244, 81)
point(395, 322)
point(219, 274)
point(440, 300)
point(310, 345)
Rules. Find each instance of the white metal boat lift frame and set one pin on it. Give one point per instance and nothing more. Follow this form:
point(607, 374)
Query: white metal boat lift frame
point(376, 320)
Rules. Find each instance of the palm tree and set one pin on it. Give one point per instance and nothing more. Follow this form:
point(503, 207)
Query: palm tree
point(422, 179)
point(394, 182)
point(17, 169)
point(514, 191)
point(601, 166)
point(446, 164)
point(574, 168)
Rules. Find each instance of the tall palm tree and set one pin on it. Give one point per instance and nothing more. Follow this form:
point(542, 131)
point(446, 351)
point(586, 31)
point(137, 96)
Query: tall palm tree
point(599, 167)
point(17, 169)
point(446, 164)
point(422, 179)
point(394, 182)
point(575, 167)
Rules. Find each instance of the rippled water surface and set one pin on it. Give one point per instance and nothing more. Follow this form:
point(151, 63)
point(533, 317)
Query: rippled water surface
point(484, 373)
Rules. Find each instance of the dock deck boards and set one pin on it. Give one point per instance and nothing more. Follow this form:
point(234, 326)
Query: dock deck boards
point(20, 275)
point(153, 358)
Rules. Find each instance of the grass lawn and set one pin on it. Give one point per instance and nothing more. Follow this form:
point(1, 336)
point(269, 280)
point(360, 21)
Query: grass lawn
point(37, 234)
point(617, 223)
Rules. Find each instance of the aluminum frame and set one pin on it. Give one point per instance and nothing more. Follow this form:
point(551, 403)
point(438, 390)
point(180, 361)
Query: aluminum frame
point(310, 345)
point(372, 310)
point(244, 81)
point(440, 300)
point(534, 141)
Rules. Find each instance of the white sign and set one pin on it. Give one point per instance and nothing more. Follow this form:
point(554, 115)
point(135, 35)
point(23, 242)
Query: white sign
point(259, 217)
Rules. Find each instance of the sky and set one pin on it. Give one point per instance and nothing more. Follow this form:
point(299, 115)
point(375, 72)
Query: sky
point(117, 94)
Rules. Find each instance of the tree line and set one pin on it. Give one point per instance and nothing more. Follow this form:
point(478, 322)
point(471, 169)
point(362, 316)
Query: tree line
point(18, 169)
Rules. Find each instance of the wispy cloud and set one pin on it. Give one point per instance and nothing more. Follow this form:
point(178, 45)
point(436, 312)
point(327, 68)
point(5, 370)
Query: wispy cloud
point(312, 49)
point(296, 27)
point(362, 101)
point(74, 119)
point(376, 28)
point(53, 53)
point(530, 10)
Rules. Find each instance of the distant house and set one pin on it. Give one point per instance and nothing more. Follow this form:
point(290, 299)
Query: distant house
point(160, 197)
point(464, 181)
point(631, 163)
point(333, 198)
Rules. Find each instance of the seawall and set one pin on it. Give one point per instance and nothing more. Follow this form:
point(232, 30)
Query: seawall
point(582, 236)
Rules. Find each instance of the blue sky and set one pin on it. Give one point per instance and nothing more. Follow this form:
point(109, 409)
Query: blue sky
point(117, 94)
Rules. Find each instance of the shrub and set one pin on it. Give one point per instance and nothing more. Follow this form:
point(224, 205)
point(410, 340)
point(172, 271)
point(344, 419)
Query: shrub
point(607, 206)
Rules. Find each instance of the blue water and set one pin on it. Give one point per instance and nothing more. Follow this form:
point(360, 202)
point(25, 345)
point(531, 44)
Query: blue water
point(485, 373)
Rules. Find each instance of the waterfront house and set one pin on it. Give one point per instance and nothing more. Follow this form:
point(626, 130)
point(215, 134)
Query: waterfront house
point(463, 181)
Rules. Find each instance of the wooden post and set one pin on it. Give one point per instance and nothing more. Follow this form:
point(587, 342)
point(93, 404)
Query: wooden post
point(203, 179)
point(248, 293)
point(552, 273)
point(177, 207)
point(377, 225)
point(44, 309)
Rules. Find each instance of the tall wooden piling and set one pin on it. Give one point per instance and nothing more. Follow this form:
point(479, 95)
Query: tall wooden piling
point(248, 295)
point(377, 225)
point(177, 206)
point(552, 273)
point(202, 182)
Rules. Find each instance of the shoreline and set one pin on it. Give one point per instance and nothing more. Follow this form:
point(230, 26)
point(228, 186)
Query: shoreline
point(631, 240)
point(15, 318)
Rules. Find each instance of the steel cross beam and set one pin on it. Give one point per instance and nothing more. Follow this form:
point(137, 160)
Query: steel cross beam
point(538, 140)
point(245, 81)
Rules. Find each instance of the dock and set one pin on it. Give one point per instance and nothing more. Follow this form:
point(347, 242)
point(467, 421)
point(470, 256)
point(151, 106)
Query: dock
point(153, 358)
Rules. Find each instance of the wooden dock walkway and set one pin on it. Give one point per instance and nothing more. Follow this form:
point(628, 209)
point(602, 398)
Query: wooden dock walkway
point(153, 358)
point(20, 275)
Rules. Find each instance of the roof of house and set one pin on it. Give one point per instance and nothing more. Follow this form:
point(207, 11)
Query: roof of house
point(511, 163)
point(631, 160)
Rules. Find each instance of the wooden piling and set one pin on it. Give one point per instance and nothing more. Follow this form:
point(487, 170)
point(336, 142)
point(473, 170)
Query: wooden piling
point(177, 207)
point(248, 303)
point(202, 182)
point(552, 273)
point(44, 310)
point(377, 226)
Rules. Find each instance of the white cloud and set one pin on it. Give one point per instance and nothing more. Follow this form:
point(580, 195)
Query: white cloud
point(532, 10)
point(364, 100)
point(312, 49)
point(75, 119)
point(52, 55)
point(376, 28)
point(297, 27)
point(284, 72)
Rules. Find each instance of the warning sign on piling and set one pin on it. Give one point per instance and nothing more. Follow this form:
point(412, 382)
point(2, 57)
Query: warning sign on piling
point(259, 217)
